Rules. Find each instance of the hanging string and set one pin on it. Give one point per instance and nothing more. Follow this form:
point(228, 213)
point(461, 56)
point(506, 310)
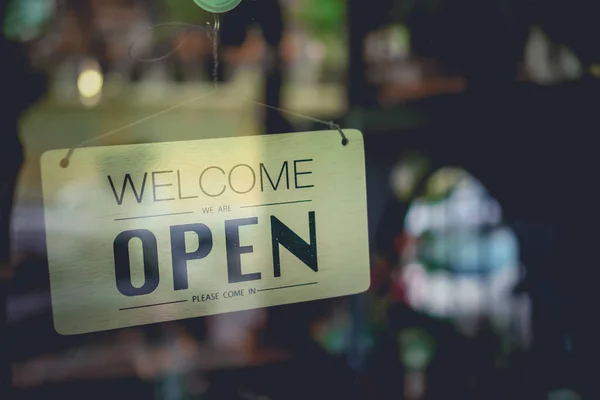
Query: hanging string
point(215, 49)
point(330, 124)
point(213, 32)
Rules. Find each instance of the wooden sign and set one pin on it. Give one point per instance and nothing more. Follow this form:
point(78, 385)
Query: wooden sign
point(146, 233)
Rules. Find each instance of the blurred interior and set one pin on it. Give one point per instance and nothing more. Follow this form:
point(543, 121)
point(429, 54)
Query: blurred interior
point(478, 118)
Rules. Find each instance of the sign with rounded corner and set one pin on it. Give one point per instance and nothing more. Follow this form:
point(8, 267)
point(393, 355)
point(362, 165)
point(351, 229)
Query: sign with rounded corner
point(146, 233)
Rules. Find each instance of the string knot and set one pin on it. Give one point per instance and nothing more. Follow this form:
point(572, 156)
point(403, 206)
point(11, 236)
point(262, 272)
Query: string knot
point(334, 126)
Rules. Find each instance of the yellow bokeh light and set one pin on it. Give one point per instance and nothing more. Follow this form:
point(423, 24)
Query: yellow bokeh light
point(90, 83)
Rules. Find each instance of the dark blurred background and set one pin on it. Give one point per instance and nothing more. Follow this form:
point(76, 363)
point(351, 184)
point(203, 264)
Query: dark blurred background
point(480, 122)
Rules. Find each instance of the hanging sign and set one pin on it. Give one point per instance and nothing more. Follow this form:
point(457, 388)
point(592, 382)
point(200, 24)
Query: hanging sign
point(146, 233)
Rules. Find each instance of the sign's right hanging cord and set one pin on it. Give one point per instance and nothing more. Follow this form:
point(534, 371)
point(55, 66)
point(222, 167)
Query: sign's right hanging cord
point(214, 33)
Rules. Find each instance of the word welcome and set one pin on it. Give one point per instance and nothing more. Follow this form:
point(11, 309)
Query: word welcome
point(213, 181)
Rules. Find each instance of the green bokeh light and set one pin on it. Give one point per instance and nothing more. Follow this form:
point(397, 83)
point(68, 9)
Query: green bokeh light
point(26, 19)
point(217, 6)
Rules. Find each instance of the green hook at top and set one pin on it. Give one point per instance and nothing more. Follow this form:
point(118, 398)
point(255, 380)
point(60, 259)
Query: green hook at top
point(217, 6)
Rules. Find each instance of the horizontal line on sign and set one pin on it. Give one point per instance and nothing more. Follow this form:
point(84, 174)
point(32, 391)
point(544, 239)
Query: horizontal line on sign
point(277, 204)
point(154, 216)
point(285, 287)
point(152, 305)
